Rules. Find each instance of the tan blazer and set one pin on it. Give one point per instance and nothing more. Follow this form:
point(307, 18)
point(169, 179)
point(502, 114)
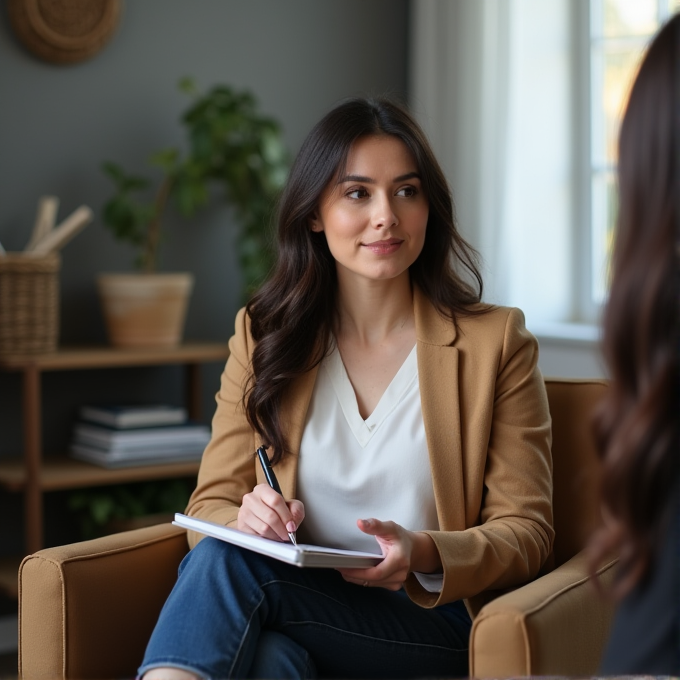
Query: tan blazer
point(487, 425)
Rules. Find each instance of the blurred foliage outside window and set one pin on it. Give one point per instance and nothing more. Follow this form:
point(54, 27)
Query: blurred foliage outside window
point(620, 30)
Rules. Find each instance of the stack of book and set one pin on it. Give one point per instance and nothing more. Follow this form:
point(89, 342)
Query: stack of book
point(124, 436)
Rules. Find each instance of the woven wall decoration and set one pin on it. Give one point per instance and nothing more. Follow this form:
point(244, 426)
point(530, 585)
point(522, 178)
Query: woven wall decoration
point(64, 31)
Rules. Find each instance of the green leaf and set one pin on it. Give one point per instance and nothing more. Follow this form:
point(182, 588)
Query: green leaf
point(190, 192)
point(124, 183)
point(165, 159)
point(101, 509)
point(114, 171)
point(188, 86)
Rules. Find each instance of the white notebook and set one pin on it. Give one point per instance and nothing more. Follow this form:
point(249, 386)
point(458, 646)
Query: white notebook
point(300, 555)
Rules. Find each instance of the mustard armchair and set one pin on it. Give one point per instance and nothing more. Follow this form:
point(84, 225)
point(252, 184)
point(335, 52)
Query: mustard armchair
point(86, 610)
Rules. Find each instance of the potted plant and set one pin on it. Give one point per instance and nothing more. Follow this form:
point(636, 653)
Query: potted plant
point(230, 144)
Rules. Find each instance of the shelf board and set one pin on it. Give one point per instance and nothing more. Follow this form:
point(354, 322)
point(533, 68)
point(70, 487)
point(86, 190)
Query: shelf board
point(9, 573)
point(72, 358)
point(59, 473)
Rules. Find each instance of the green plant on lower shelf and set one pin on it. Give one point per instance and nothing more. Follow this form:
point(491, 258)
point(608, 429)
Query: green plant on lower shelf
point(97, 507)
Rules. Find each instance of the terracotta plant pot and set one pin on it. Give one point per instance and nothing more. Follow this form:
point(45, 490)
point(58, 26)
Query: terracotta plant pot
point(145, 310)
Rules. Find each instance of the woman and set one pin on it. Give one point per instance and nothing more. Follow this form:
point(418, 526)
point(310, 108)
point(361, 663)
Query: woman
point(639, 425)
point(402, 417)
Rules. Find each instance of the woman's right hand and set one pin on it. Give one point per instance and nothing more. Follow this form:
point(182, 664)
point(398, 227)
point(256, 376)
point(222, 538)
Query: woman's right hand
point(264, 512)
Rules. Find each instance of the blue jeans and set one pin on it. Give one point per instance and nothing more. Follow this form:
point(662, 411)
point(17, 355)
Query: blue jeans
point(237, 614)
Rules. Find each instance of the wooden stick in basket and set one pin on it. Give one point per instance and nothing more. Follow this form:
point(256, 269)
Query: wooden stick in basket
point(60, 235)
point(44, 220)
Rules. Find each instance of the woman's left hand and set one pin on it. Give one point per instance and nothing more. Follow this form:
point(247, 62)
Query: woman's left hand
point(404, 551)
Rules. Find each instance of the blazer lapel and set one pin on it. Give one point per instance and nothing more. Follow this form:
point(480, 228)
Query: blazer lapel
point(439, 395)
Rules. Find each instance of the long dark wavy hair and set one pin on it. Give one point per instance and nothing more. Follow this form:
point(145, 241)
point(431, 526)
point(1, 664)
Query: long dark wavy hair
point(638, 426)
point(292, 314)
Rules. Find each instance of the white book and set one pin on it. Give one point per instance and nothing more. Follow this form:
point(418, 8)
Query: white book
point(108, 438)
point(123, 417)
point(300, 555)
point(105, 459)
point(137, 450)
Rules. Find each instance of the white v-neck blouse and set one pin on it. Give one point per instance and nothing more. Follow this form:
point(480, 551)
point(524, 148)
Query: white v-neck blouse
point(351, 468)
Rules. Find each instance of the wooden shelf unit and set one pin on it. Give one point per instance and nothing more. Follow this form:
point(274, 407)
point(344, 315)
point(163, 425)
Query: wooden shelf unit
point(34, 475)
point(61, 472)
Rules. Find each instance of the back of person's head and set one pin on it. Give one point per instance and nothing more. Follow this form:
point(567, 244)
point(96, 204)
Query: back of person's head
point(639, 423)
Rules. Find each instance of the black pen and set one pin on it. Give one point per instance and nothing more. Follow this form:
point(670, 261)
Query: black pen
point(271, 479)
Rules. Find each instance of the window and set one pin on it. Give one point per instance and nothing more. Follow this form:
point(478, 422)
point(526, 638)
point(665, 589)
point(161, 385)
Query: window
point(522, 101)
point(619, 32)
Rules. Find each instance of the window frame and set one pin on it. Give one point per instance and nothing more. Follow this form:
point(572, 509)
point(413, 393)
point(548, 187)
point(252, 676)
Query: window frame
point(591, 293)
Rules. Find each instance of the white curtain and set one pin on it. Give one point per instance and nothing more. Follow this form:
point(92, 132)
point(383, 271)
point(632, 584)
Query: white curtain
point(490, 81)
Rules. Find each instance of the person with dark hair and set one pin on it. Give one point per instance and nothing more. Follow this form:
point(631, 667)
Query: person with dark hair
point(402, 416)
point(638, 427)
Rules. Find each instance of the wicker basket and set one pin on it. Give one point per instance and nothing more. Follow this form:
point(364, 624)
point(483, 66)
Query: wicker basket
point(29, 303)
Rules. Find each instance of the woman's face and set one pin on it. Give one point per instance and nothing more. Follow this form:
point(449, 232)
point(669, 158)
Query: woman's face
point(375, 215)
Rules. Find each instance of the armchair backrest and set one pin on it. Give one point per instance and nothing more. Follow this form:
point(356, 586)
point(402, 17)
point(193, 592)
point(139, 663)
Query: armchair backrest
point(576, 464)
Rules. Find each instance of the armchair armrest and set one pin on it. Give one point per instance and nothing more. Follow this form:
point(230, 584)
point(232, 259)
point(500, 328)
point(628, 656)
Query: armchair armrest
point(555, 625)
point(86, 610)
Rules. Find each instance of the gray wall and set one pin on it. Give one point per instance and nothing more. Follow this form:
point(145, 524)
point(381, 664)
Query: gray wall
point(58, 123)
